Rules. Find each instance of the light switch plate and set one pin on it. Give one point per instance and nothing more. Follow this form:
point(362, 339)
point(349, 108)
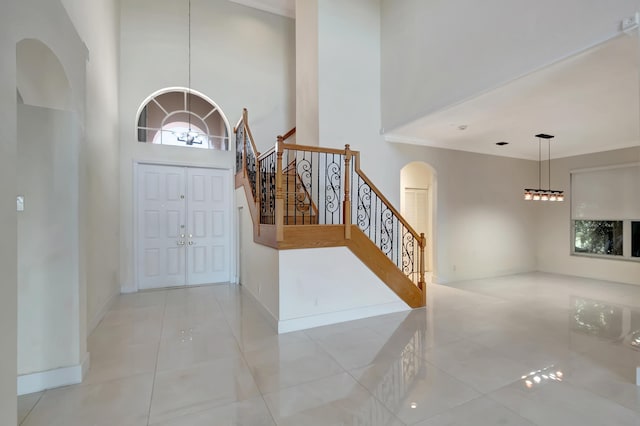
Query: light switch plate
point(20, 203)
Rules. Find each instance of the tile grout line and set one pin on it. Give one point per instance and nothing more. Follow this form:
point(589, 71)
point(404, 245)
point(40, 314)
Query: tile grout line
point(155, 370)
point(240, 349)
point(32, 408)
point(393, 415)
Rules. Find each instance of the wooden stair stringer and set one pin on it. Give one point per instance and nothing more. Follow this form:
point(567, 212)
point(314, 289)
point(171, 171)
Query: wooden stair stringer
point(384, 268)
point(319, 236)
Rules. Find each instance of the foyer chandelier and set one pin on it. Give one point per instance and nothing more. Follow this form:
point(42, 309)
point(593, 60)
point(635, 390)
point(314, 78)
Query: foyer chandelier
point(190, 137)
point(540, 194)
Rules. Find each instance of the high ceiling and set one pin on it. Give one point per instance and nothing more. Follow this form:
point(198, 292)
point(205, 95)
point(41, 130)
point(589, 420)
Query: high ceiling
point(279, 7)
point(590, 102)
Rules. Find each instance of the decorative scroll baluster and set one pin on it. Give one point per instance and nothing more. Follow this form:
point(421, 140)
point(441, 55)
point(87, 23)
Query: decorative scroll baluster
point(239, 147)
point(251, 166)
point(333, 183)
point(380, 223)
point(268, 189)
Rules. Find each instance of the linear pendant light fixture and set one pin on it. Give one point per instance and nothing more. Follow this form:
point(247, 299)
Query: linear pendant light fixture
point(540, 194)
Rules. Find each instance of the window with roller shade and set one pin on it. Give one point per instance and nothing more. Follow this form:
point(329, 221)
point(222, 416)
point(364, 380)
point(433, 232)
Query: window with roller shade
point(605, 212)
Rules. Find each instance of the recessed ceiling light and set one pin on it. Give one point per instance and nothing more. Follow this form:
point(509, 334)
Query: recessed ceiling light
point(502, 143)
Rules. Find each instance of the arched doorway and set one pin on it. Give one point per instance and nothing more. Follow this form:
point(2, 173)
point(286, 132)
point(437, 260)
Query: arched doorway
point(418, 205)
point(49, 304)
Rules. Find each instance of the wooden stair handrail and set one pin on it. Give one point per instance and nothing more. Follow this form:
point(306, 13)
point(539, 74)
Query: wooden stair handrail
point(267, 153)
point(245, 118)
point(378, 193)
point(309, 148)
point(287, 135)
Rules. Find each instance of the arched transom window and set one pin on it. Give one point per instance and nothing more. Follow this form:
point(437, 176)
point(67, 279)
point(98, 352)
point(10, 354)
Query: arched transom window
point(183, 117)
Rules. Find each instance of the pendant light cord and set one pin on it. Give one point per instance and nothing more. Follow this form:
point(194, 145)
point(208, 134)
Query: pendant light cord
point(549, 143)
point(539, 165)
point(189, 76)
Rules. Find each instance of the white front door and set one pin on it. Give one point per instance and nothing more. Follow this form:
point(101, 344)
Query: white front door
point(183, 226)
point(208, 221)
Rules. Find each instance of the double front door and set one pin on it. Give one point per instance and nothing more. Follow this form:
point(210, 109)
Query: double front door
point(183, 226)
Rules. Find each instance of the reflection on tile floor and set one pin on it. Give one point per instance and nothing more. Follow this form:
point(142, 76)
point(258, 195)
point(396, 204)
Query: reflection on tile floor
point(532, 349)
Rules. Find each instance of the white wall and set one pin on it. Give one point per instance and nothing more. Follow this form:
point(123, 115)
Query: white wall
point(329, 285)
point(42, 80)
point(49, 332)
point(241, 57)
point(484, 227)
point(307, 72)
point(259, 271)
point(554, 243)
point(349, 88)
point(48, 22)
point(8, 228)
point(437, 53)
point(97, 23)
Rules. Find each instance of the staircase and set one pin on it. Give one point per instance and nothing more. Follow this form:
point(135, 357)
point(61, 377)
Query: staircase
point(310, 197)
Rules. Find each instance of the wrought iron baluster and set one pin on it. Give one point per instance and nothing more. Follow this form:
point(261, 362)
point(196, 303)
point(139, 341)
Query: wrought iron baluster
point(332, 188)
point(239, 147)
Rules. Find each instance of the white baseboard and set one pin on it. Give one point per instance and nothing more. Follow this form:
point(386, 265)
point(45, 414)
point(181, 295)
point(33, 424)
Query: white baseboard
point(268, 315)
point(128, 290)
point(40, 381)
point(303, 323)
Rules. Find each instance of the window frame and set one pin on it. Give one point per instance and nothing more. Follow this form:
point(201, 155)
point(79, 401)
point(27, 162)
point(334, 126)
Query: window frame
point(227, 142)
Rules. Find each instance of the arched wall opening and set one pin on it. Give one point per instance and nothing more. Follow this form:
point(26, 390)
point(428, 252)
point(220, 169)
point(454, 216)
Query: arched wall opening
point(49, 296)
point(418, 196)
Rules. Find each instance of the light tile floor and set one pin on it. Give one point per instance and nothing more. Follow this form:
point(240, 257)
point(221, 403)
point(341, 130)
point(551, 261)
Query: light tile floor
point(533, 349)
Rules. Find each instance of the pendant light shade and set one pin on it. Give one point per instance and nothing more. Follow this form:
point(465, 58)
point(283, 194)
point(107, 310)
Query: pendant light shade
point(540, 194)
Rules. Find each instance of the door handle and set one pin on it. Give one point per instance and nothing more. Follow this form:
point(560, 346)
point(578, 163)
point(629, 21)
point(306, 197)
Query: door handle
point(180, 243)
point(191, 243)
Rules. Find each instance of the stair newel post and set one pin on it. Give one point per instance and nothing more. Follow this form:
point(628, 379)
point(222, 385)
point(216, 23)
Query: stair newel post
point(279, 193)
point(346, 209)
point(244, 143)
point(421, 282)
